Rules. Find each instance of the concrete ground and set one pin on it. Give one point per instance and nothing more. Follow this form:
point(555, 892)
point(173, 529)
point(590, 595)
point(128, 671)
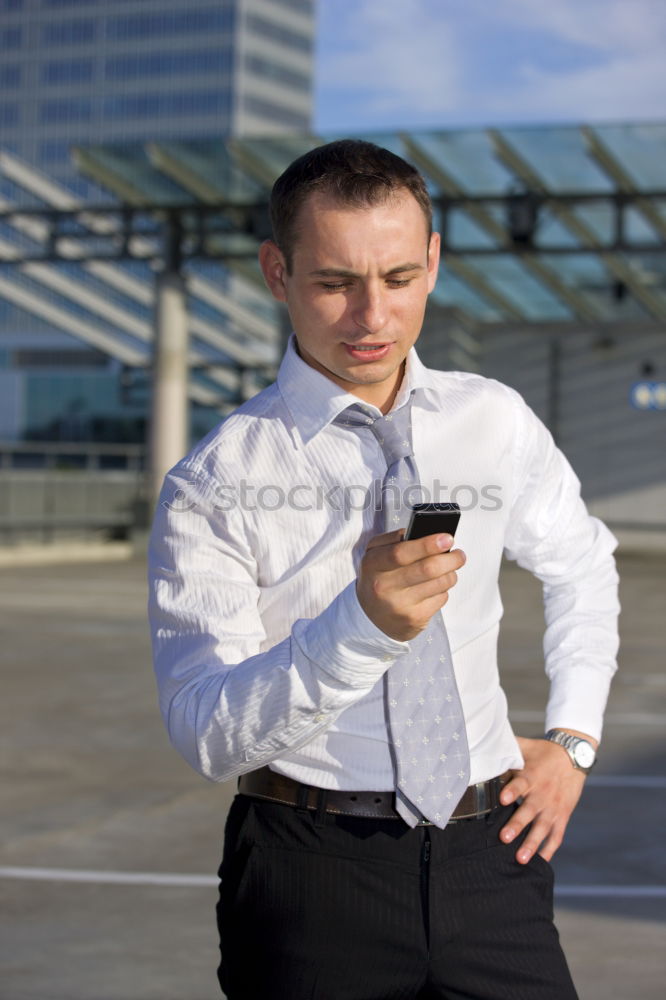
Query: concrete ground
point(100, 813)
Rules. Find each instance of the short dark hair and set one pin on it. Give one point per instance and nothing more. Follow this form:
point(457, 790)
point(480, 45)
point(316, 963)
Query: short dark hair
point(353, 172)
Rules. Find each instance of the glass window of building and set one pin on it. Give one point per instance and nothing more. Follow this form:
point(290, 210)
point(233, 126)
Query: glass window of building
point(277, 33)
point(73, 32)
point(10, 76)
point(134, 66)
point(173, 22)
point(277, 112)
point(302, 6)
point(163, 105)
point(68, 71)
point(70, 111)
point(54, 151)
point(10, 38)
point(271, 70)
point(9, 114)
point(68, 3)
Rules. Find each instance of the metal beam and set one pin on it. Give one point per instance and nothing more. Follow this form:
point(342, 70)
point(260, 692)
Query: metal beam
point(163, 159)
point(57, 196)
point(477, 211)
point(95, 336)
point(463, 270)
point(451, 188)
point(103, 177)
point(619, 268)
point(31, 179)
point(83, 330)
point(611, 166)
point(227, 231)
point(127, 323)
point(33, 225)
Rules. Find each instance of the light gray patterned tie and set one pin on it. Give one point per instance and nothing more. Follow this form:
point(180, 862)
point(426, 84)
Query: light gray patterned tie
point(426, 723)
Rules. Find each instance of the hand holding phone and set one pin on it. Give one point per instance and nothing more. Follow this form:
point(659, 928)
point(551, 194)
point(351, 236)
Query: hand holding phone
point(432, 519)
point(392, 590)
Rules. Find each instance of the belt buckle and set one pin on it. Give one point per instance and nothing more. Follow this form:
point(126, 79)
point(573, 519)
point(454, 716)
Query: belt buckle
point(482, 804)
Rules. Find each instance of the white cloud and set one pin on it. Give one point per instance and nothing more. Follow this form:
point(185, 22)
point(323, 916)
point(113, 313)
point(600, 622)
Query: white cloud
point(610, 25)
point(622, 89)
point(439, 62)
point(397, 60)
point(627, 78)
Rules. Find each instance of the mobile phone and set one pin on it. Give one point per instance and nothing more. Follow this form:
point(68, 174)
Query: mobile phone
point(432, 519)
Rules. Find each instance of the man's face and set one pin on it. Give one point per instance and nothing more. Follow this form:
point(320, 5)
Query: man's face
point(357, 290)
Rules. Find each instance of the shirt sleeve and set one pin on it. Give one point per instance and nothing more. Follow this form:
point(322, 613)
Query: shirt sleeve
point(229, 707)
point(551, 534)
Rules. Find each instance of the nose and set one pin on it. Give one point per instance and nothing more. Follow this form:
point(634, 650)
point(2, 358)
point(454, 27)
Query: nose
point(370, 308)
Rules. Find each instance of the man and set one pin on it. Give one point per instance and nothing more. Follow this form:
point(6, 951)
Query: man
point(391, 837)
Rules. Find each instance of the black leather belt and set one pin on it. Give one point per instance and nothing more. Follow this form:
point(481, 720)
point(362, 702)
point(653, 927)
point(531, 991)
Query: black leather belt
point(478, 800)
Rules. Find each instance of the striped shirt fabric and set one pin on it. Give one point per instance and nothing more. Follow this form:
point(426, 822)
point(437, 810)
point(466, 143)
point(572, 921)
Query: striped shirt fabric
point(262, 652)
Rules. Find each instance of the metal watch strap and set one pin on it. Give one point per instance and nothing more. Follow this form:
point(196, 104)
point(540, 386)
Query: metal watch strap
point(569, 742)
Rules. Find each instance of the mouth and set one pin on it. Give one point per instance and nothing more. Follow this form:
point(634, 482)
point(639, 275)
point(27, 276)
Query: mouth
point(367, 352)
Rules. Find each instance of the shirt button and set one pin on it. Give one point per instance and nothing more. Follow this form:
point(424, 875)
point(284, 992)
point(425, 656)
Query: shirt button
point(319, 717)
point(386, 658)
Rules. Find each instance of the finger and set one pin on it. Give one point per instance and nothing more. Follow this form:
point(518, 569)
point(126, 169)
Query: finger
point(425, 571)
point(420, 548)
point(514, 789)
point(435, 590)
point(430, 568)
point(521, 818)
point(415, 605)
point(539, 832)
point(386, 538)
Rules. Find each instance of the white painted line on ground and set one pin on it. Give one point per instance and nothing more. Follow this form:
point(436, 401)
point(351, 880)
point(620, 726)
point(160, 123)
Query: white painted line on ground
point(115, 878)
point(627, 780)
point(206, 881)
point(612, 891)
point(610, 719)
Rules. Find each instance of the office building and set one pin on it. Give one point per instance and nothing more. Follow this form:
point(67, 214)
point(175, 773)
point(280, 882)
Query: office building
point(75, 72)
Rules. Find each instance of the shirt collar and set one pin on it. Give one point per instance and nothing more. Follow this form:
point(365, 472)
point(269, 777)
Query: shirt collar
point(314, 400)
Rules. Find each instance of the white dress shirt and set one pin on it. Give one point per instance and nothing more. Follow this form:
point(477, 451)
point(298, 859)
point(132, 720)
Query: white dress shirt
point(262, 652)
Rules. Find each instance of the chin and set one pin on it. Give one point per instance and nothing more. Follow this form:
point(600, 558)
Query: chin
point(367, 377)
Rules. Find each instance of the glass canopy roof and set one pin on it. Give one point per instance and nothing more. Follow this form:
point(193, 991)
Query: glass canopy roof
point(569, 272)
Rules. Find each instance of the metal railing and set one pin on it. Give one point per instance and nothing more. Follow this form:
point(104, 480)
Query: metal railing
point(72, 455)
point(59, 490)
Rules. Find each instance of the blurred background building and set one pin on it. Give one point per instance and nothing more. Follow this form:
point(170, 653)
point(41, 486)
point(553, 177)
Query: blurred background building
point(554, 276)
point(88, 71)
point(77, 72)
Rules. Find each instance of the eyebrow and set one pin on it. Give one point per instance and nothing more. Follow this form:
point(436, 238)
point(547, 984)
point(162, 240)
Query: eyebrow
point(340, 272)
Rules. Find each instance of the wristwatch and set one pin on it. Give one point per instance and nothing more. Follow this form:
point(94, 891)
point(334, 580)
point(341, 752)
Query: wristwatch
point(583, 755)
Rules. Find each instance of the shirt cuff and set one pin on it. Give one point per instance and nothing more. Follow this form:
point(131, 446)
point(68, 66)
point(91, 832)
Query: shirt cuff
point(579, 703)
point(343, 642)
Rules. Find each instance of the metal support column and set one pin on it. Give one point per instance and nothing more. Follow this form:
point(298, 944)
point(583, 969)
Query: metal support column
point(169, 414)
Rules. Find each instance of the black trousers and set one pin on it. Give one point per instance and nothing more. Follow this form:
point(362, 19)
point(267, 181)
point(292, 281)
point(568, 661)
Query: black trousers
point(342, 908)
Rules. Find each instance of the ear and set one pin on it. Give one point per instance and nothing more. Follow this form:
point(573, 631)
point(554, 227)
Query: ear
point(433, 260)
point(274, 269)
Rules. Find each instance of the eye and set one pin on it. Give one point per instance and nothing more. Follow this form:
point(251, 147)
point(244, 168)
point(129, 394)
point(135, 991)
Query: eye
point(334, 286)
point(399, 282)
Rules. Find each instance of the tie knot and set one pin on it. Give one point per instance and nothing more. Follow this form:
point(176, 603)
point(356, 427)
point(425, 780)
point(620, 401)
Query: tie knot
point(393, 431)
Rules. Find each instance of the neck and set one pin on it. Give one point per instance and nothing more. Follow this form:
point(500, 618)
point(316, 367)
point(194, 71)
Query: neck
point(380, 395)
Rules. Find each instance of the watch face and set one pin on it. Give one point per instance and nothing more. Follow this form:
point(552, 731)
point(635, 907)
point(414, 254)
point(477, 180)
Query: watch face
point(584, 754)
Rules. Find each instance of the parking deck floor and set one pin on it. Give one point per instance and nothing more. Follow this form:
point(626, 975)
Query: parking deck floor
point(110, 843)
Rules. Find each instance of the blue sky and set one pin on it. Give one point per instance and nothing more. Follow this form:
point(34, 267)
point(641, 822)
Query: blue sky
point(389, 64)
